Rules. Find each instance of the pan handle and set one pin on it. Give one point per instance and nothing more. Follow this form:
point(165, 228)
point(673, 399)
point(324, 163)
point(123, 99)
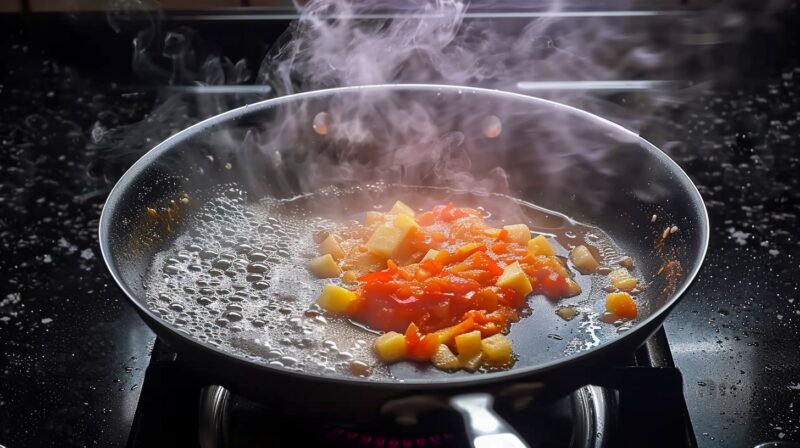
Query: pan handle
point(485, 428)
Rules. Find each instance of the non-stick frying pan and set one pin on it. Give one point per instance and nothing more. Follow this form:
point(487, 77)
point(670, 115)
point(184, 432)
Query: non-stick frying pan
point(546, 153)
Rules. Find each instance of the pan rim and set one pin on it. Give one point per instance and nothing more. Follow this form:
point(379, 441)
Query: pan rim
point(124, 181)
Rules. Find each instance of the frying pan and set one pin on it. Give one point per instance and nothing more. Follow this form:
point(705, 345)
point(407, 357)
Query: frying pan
point(546, 153)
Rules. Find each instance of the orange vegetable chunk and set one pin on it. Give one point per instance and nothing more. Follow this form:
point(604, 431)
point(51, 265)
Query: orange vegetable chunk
point(621, 304)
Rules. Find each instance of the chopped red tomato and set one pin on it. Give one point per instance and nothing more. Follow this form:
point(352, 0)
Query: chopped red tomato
point(420, 347)
point(551, 283)
point(454, 292)
point(477, 261)
point(500, 248)
point(448, 213)
point(377, 277)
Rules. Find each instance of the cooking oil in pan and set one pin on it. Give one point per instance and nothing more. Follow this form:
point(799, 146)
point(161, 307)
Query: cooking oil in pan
point(236, 278)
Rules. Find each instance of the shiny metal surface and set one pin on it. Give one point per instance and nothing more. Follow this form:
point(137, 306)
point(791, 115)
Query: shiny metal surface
point(485, 428)
point(214, 402)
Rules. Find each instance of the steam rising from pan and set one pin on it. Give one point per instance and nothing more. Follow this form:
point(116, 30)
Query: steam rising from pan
point(350, 43)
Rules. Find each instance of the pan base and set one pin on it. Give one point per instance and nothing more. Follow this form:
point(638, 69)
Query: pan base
point(582, 419)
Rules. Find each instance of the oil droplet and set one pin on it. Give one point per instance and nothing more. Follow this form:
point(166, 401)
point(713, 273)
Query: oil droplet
point(491, 126)
point(221, 264)
point(205, 301)
point(359, 368)
point(257, 268)
point(257, 256)
point(567, 313)
point(322, 123)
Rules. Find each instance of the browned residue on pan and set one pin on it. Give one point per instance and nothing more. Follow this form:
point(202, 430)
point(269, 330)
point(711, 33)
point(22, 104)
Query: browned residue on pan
point(662, 239)
point(671, 273)
point(168, 214)
point(159, 220)
point(671, 270)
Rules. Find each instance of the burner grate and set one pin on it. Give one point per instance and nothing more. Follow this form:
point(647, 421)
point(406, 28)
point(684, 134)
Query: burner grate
point(168, 411)
point(341, 436)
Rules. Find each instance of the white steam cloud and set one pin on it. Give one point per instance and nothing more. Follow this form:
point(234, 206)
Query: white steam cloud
point(418, 139)
point(415, 139)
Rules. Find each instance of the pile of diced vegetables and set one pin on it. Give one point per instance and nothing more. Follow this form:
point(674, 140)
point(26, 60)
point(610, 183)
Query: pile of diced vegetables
point(444, 286)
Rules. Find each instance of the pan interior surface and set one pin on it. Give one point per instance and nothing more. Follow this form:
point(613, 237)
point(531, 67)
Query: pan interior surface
point(243, 195)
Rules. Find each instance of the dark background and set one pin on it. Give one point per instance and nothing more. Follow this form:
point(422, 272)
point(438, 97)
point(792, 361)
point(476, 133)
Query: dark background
point(76, 110)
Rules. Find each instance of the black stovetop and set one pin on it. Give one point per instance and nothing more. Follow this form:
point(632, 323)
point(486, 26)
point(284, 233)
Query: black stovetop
point(74, 115)
point(178, 408)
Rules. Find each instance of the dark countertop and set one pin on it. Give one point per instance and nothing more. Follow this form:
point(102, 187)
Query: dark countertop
point(73, 116)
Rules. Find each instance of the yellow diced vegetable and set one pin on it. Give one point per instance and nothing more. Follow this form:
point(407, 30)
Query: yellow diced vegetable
point(473, 363)
point(385, 240)
point(390, 346)
point(540, 246)
point(518, 233)
point(445, 359)
point(336, 299)
point(374, 218)
point(622, 279)
point(468, 344)
point(405, 222)
point(349, 277)
point(514, 277)
point(573, 288)
point(430, 255)
point(584, 260)
point(388, 237)
point(497, 349)
point(324, 266)
point(492, 232)
point(331, 246)
point(402, 209)
point(621, 304)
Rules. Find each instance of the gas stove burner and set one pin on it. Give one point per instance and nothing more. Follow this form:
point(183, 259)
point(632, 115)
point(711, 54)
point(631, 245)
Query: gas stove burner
point(353, 437)
point(582, 419)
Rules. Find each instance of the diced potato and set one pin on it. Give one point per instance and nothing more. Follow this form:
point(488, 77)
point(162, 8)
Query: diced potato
point(349, 277)
point(405, 222)
point(445, 359)
point(324, 266)
point(463, 251)
point(390, 346)
point(573, 288)
point(331, 246)
point(430, 255)
point(621, 304)
point(497, 349)
point(388, 237)
point(374, 218)
point(468, 344)
point(385, 240)
point(622, 279)
point(514, 277)
point(518, 233)
point(584, 260)
point(540, 246)
point(402, 209)
point(492, 232)
point(473, 363)
point(336, 299)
